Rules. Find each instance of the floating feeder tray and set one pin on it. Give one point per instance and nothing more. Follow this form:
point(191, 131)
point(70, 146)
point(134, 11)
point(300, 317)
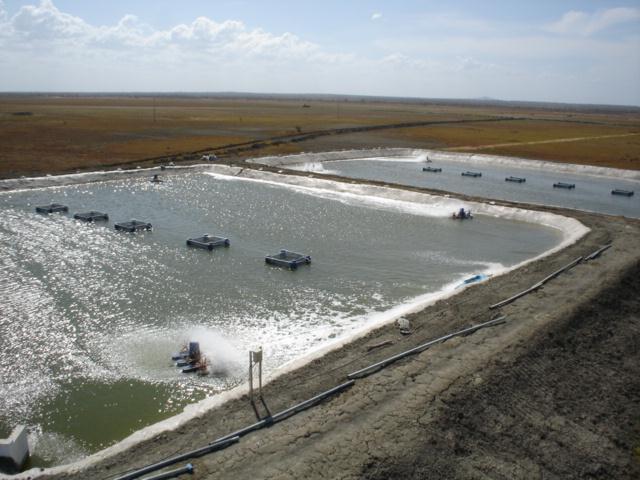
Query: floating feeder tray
point(91, 216)
point(515, 179)
point(288, 259)
point(431, 169)
point(624, 193)
point(564, 185)
point(471, 174)
point(54, 207)
point(132, 226)
point(208, 242)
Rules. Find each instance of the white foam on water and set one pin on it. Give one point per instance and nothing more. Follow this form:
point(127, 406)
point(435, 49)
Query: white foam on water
point(224, 357)
point(378, 197)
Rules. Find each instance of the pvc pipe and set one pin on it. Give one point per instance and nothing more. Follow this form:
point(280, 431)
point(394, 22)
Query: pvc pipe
point(420, 348)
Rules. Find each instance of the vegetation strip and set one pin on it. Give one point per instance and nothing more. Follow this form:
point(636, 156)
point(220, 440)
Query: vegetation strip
point(364, 372)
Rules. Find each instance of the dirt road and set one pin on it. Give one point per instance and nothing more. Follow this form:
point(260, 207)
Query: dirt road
point(537, 142)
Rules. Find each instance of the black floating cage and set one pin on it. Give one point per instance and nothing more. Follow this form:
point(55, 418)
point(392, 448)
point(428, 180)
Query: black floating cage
point(288, 259)
point(208, 242)
point(624, 193)
point(91, 216)
point(568, 186)
point(132, 226)
point(51, 208)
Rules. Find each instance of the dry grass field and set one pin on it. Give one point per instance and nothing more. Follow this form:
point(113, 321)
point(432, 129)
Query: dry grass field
point(41, 134)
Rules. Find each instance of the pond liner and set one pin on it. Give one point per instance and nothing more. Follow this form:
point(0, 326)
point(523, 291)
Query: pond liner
point(568, 186)
point(471, 174)
point(52, 208)
point(624, 193)
point(208, 242)
point(230, 439)
point(132, 226)
point(91, 216)
point(366, 371)
point(288, 259)
point(515, 179)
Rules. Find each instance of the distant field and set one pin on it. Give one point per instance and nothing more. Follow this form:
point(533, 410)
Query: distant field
point(41, 134)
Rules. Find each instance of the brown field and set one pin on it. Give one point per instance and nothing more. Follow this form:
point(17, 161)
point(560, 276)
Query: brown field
point(41, 134)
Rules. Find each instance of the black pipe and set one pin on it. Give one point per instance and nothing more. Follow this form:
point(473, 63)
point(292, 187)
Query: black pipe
point(234, 437)
point(597, 253)
point(278, 417)
point(420, 348)
point(212, 447)
point(188, 468)
point(537, 285)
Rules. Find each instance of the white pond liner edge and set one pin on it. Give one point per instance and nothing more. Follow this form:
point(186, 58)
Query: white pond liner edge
point(421, 155)
point(571, 229)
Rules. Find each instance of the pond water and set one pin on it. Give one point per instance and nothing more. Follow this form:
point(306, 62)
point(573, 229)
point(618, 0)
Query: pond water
point(591, 193)
point(90, 316)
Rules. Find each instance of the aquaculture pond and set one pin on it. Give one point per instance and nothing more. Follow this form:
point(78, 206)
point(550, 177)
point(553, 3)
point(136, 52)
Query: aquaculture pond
point(90, 315)
point(591, 192)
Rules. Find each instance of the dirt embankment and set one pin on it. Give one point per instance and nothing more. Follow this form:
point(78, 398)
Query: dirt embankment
point(552, 393)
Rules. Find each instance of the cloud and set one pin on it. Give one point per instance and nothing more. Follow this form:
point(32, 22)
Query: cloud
point(581, 23)
point(441, 55)
point(43, 28)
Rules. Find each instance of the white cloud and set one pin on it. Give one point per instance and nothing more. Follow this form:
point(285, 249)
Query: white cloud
point(376, 16)
point(581, 23)
point(45, 28)
point(445, 55)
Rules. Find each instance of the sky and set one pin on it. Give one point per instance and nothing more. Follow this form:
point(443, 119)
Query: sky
point(555, 51)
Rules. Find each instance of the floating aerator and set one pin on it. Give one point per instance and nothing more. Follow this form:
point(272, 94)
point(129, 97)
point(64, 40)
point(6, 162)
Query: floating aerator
point(471, 174)
point(431, 169)
point(515, 179)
